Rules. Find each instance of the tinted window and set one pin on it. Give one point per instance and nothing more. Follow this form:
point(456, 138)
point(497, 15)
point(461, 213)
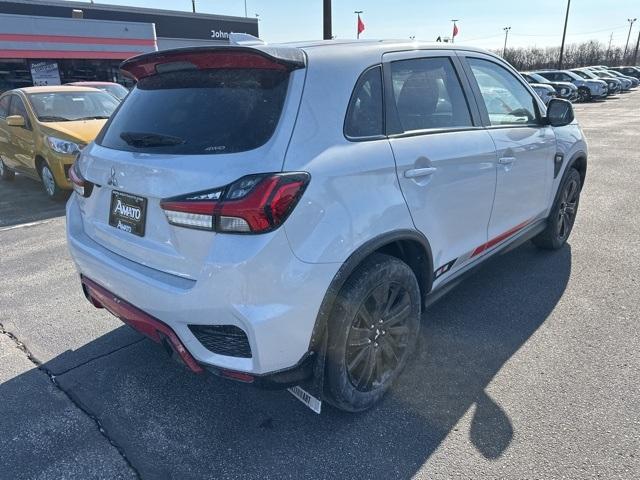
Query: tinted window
point(199, 112)
point(4, 106)
point(69, 106)
point(507, 100)
point(428, 94)
point(17, 108)
point(365, 112)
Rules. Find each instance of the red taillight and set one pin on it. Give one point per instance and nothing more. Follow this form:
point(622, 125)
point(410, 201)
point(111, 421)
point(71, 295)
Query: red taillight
point(253, 204)
point(80, 185)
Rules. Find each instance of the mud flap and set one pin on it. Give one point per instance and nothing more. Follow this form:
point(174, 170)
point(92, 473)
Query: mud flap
point(311, 391)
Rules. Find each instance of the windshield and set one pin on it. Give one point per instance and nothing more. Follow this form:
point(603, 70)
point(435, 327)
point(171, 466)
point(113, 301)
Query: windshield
point(538, 78)
point(199, 112)
point(116, 90)
point(584, 75)
point(72, 106)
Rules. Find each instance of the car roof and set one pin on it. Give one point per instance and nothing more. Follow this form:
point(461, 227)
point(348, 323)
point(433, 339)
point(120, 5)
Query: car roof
point(89, 83)
point(54, 88)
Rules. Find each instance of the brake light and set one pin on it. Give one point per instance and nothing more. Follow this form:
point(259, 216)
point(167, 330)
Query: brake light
point(81, 186)
point(253, 204)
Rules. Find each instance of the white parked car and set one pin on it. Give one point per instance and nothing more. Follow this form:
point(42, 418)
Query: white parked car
point(282, 214)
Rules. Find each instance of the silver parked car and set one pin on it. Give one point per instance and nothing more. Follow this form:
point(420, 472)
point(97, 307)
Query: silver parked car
point(613, 84)
point(587, 89)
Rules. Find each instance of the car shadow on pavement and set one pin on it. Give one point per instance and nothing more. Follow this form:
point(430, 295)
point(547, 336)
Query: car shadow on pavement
point(23, 200)
point(174, 424)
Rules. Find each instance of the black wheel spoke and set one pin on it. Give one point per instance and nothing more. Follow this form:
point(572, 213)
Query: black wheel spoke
point(367, 372)
point(394, 290)
point(401, 314)
point(359, 337)
point(362, 355)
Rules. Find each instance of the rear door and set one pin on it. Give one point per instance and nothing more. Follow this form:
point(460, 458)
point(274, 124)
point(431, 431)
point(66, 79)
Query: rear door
point(445, 159)
point(187, 130)
point(526, 147)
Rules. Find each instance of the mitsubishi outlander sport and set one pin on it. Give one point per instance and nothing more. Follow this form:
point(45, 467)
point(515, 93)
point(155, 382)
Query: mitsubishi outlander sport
point(282, 214)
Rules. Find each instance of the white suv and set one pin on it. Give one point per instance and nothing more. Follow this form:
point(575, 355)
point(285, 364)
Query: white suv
point(282, 215)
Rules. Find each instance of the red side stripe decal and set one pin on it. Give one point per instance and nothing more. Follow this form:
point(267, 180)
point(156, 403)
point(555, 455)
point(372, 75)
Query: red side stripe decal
point(503, 236)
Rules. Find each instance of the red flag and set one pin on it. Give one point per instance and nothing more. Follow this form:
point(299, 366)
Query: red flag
point(455, 30)
point(360, 26)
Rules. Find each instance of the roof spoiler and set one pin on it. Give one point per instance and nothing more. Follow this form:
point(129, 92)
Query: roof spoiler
point(211, 57)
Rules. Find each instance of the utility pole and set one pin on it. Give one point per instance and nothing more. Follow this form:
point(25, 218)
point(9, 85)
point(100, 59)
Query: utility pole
point(631, 22)
point(326, 20)
point(564, 35)
point(454, 20)
point(609, 48)
point(635, 54)
point(193, 5)
point(506, 35)
point(245, 8)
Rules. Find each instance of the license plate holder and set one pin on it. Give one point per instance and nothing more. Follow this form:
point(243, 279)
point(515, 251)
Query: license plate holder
point(128, 212)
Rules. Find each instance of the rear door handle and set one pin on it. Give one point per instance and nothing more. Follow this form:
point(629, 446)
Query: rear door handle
point(506, 160)
point(419, 172)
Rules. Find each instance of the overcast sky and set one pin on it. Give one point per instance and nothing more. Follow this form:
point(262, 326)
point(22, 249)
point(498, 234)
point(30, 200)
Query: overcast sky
point(481, 22)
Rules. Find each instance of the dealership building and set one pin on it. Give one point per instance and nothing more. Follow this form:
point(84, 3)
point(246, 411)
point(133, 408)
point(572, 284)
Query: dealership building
point(53, 42)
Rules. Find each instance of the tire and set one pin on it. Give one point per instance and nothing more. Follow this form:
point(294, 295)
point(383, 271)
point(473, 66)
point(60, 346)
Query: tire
point(5, 172)
point(584, 94)
point(372, 331)
point(51, 188)
point(563, 213)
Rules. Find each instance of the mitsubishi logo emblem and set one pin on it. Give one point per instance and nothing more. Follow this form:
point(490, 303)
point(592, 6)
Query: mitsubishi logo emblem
point(112, 178)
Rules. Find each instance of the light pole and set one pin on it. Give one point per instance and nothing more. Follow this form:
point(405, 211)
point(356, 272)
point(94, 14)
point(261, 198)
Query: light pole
point(564, 35)
point(506, 35)
point(245, 8)
point(631, 22)
point(193, 5)
point(635, 54)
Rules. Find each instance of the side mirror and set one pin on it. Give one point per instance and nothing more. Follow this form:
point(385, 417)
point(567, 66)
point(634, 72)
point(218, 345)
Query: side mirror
point(16, 121)
point(559, 112)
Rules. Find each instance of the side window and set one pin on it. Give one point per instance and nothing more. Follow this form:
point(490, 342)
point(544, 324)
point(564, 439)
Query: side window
point(507, 100)
point(4, 106)
point(428, 95)
point(566, 78)
point(17, 108)
point(365, 117)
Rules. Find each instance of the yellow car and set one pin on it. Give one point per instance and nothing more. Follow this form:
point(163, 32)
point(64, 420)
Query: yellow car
point(42, 129)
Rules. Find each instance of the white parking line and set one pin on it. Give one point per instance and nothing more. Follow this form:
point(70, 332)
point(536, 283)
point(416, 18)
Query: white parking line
point(23, 225)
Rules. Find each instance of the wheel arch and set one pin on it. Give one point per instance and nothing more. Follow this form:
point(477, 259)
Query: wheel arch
point(579, 162)
point(410, 246)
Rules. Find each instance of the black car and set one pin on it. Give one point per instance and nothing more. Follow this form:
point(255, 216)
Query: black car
point(565, 90)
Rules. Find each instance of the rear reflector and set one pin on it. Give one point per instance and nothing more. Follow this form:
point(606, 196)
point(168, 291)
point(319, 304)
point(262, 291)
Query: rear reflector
point(253, 204)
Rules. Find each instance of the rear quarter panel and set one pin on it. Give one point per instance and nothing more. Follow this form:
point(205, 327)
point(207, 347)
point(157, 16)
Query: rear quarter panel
point(354, 194)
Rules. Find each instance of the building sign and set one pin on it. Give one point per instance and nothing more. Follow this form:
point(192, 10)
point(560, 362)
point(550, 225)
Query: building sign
point(45, 73)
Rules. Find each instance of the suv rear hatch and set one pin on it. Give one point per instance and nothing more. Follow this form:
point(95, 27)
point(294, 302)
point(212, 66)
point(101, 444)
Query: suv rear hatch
point(198, 120)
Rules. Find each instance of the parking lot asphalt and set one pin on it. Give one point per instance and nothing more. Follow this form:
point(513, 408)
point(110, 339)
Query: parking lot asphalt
point(528, 369)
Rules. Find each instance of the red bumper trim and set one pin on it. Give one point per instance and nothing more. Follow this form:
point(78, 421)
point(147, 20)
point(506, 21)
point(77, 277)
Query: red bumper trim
point(142, 322)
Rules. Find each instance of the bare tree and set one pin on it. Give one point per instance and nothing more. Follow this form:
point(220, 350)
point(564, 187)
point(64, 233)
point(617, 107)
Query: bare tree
point(575, 55)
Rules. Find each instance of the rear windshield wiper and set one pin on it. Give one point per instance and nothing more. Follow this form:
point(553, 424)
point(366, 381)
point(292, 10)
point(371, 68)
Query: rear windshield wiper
point(53, 118)
point(142, 139)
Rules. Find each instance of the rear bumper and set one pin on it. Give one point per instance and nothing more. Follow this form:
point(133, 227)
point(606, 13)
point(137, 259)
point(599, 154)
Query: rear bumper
point(255, 284)
point(161, 333)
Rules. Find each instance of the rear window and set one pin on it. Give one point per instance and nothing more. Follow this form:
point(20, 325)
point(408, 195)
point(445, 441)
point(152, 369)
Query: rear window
point(199, 112)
